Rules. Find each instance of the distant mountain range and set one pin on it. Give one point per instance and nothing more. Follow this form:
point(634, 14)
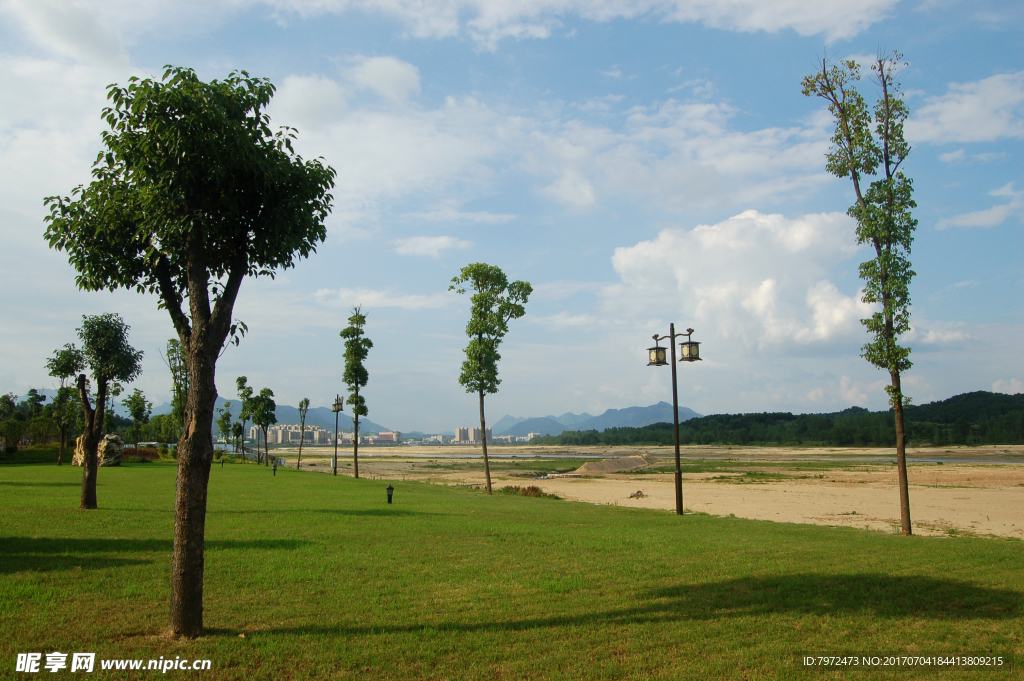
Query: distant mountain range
point(289, 415)
point(634, 417)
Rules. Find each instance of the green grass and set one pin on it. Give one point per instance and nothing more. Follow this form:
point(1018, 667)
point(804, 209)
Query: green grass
point(326, 580)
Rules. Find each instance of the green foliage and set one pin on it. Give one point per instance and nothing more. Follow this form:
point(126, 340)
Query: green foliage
point(106, 350)
point(138, 406)
point(41, 429)
point(883, 210)
point(8, 404)
point(493, 304)
point(357, 348)
point(12, 430)
point(261, 409)
point(968, 419)
point(190, 167)
point(224, 421)
point(176, 361)
point(244, 395)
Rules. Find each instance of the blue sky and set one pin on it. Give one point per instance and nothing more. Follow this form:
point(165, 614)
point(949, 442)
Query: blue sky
point(639, 163)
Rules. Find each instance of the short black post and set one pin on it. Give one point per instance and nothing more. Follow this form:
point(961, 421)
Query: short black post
point(222, 462)
point(275, 469)
point(391, 491)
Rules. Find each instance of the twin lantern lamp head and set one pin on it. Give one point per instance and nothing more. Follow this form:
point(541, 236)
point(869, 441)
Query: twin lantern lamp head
point(689, 351)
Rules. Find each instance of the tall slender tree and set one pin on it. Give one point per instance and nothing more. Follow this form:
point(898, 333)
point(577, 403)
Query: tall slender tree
point(224, 422)
point(65, 364)
point(262, 410)
point(869, 146)
point(140, 410)
point(110, 358)
point(192, 193)
point(303, 408)
point(494, 303)
point(357, 347)
point(236, 432)
point(244, 395)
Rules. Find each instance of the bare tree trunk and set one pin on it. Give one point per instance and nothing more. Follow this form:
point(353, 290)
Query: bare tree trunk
point(483, 441)
point(355, 444)
point(63, 443)
point(302, 438)
point(91, 434)
point(901, 456)
point(195, 456)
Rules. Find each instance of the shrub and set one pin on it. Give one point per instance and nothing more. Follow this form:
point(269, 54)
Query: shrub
point(530, 491)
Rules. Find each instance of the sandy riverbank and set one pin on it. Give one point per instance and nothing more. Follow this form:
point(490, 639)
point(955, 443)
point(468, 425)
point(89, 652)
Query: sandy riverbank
point(975, 490)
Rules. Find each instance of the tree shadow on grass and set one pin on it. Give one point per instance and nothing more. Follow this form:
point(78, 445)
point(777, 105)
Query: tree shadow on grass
point(5, 483)
point(874, 595)
point(354, 512)
point(19, 554)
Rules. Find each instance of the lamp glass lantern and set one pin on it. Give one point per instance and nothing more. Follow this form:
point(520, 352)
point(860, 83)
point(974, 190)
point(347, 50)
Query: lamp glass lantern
point(338, 404)
point(689, 351)
point(657, 356)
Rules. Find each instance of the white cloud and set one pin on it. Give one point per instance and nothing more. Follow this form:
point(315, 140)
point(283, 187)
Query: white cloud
point(990, 217)
point(753, 279)
point(981, 111)
point(1011, 387)
point(69, 29)
point(429, 245)
point(370, 298)
point(953, 156)
point(449, 212)
point(488, 21)
point(308, 102)
point(389, 77)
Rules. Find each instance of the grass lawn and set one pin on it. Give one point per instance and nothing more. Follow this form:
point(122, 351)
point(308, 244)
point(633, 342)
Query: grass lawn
point(325, 580)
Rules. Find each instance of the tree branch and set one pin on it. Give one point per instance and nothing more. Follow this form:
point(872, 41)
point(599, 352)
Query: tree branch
point(170, 297)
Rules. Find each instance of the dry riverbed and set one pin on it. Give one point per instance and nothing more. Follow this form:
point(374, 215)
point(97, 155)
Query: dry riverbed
point(953, 490)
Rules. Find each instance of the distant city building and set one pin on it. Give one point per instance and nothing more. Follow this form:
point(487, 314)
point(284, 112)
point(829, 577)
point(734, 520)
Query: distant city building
point(290, 434)
point(392, 436)
point(470, 435)
point(530, 436)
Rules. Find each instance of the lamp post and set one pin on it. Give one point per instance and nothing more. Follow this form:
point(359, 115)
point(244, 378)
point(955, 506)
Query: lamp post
point(336, 408)
point(690, 351)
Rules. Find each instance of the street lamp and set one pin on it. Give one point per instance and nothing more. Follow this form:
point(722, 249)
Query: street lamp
point(336, 408)
point(690, 352)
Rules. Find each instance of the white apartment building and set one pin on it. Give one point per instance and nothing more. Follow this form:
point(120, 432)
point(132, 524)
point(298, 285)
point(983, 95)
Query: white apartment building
point(470, 435)
point(283, 434)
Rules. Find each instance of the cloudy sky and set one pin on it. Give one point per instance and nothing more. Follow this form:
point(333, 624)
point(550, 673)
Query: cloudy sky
point(640, 162)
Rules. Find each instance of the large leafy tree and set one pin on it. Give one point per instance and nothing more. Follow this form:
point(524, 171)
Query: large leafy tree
point(494, 303)
point(303, 409)
point(65, 364)
point(140, 410)
point(110, 358)
point(357, 348)
point(193, 192)
point(868, 147)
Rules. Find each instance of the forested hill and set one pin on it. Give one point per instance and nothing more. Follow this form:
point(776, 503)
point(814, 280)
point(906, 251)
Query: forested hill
point(972, 418)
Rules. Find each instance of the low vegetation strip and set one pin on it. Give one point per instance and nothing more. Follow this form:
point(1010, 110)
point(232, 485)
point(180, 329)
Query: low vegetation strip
point(969, 419)
point(315, 576)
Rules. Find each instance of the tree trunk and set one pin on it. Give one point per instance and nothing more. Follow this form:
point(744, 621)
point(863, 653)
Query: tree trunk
point(355, 444)
point(483, 441)
point(195, 456)
point(266, 449)
point(91, 434)
point(302, 438)
point(901, 456)
point(63, 443)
